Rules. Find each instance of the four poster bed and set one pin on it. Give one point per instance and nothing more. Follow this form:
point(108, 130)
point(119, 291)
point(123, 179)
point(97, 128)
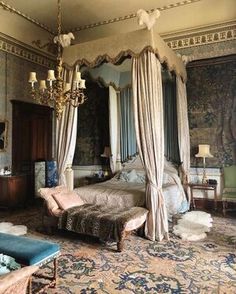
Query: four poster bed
point(147, 52)
point(127, 189)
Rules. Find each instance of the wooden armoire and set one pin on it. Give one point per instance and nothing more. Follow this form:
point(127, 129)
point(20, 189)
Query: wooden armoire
point(31, 139)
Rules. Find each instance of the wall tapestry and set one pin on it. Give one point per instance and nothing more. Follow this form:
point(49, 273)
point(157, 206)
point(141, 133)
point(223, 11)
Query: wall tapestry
point(211, 90)
point(93, 125)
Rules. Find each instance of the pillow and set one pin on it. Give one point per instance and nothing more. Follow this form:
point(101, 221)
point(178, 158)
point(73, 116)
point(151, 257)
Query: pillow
point(67, 199)
point(132, 176)
point(46, 194)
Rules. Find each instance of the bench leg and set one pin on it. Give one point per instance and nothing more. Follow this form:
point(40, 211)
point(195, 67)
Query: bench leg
point(53, 279)
point(120, 244)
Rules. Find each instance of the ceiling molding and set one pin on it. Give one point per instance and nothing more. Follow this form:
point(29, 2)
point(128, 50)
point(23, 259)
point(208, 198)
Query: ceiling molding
point(92, 25)
point(19, 49)
point(130, 16)
point(202, 36)
point(27, 17)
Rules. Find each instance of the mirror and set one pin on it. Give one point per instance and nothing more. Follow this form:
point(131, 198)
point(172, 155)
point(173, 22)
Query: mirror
point(3, 135)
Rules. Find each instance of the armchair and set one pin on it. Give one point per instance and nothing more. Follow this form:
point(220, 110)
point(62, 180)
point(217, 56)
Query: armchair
point(17, 281)
point(229, 191)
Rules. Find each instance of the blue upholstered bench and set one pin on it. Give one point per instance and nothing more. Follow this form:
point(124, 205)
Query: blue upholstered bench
point(28, 251)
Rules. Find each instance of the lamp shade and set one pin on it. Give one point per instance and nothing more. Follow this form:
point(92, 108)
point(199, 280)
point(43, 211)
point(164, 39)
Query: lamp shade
point(107, 152)
point(203, 151)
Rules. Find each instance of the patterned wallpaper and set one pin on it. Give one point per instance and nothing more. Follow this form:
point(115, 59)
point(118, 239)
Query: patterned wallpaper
point(211, 90)
point(14, 84)
point(93, 126)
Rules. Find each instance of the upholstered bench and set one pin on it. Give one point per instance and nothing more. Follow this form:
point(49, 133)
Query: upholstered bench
point(29, 251)
point(106, 223)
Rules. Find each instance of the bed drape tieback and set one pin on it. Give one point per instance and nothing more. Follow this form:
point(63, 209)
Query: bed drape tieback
point(155, 186)
point(159, 192)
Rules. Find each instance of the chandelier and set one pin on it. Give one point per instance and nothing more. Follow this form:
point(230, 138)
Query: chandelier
point(56, 92)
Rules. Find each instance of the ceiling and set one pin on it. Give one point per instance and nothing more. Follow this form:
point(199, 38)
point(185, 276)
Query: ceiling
point(119, 16)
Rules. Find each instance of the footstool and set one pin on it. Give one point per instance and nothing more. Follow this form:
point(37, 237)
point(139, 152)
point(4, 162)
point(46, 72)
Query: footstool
point(29, 251)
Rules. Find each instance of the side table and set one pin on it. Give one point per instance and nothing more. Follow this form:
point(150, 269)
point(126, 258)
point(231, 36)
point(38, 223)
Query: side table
point(204, 187)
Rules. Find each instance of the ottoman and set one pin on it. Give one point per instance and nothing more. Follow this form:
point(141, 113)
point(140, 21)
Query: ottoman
point(29, 251)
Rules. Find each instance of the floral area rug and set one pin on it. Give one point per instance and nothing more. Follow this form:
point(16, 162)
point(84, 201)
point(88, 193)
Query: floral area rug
point(87, 266)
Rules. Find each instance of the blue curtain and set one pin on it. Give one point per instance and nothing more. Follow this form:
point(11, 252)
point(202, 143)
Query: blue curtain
point(127, 133)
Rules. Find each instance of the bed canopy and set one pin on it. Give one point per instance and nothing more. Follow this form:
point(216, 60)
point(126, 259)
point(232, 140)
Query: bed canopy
point(147, 52)
point(115, 49)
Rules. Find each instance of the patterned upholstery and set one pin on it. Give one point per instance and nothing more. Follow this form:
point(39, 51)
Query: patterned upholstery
point(229, 191)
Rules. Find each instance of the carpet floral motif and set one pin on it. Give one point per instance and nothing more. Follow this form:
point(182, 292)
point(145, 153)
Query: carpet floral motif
point(87, 266)
point(145, 282)
point(171, 250)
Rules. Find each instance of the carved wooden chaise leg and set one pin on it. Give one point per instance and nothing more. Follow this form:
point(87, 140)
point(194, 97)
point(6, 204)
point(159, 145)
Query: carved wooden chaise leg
point(120, 244)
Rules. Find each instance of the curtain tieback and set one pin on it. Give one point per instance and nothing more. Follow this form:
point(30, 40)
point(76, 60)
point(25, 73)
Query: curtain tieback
point(160, 202)
point(154, 186)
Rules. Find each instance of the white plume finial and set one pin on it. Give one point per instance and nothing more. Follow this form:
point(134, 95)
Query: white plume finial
point(64, 39)
point(147, 19)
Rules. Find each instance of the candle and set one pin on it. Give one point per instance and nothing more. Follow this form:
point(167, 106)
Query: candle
point(77, 76)
point(82, 84)
point(32, 77)
point(51, 75)
point(42, 84)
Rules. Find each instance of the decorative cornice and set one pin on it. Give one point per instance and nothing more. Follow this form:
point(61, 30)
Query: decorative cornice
point(202, 36)
point(130, 16)
point(18, 12)
point(21, 50)
point(92, 25)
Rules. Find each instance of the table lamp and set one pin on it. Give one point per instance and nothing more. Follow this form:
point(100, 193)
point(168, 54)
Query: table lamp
point(204, 152)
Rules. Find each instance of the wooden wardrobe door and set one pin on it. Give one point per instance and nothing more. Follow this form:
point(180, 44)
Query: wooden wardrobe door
point(31, 138)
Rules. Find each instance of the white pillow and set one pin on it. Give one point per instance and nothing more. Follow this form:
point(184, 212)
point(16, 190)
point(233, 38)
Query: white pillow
point(132, 176)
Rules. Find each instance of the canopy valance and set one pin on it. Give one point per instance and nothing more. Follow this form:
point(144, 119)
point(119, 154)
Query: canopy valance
point(114, 49)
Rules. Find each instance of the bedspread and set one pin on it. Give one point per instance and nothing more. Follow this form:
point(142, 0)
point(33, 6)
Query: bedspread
point(115, 193)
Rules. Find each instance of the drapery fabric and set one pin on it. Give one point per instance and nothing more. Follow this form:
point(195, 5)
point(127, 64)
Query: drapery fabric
point(66, 130)
point(127, 135)
point(114, 123)
point(183, 128)
point(148, 113)
point(170, 121)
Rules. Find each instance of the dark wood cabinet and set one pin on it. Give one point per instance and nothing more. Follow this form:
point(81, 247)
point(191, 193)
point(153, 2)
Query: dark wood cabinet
point(31, 138)
point(13, 191)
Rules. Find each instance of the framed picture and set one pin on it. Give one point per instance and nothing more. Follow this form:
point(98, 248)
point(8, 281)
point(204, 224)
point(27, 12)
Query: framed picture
point(3, 135)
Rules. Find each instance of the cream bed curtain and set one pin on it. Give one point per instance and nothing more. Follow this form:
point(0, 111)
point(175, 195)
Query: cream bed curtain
point(148, 114)
point(66, 130)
